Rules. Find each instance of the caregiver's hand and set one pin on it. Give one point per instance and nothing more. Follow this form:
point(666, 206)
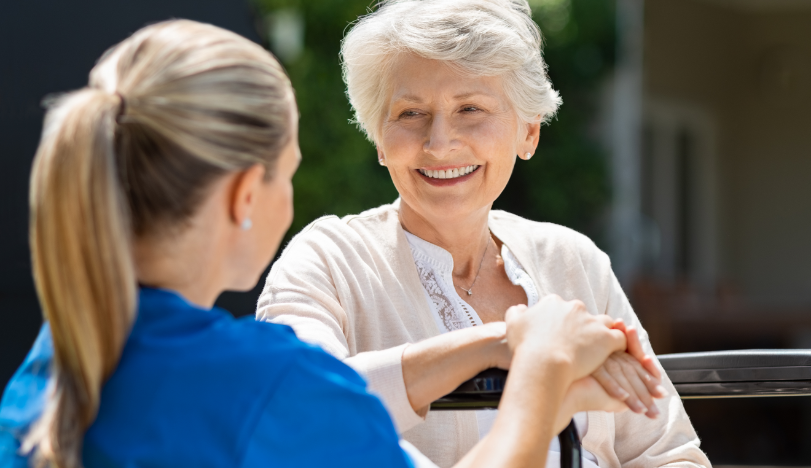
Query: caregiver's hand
point(632, 376)
point(564, 331)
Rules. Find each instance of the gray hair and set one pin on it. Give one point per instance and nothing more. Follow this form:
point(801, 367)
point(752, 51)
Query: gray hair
point(477, 37)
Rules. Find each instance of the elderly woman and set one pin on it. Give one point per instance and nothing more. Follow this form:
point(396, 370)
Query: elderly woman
point(413, 294)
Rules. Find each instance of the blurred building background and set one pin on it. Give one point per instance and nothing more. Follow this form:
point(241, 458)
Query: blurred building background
point(723, 170)
point(712, 205)
point(682, 148)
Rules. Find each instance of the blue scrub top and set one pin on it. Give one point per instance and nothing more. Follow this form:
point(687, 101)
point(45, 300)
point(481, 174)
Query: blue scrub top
point(197, 387)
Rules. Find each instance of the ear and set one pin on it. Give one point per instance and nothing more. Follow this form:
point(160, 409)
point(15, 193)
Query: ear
point(529, 137)
point(245, 192)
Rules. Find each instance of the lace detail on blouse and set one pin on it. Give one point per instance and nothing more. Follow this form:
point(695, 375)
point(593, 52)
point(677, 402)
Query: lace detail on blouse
point(435, 267)
point(448, 315)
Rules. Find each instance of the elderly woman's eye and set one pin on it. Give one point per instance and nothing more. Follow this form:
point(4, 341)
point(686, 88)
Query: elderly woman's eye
point(407, 114)
point(470, 109)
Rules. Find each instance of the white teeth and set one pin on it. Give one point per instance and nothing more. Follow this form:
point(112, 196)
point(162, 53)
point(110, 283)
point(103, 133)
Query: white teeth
point(450, 173)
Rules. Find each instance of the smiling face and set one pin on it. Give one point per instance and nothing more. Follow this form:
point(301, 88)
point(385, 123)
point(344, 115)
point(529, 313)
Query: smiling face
point(449, 140)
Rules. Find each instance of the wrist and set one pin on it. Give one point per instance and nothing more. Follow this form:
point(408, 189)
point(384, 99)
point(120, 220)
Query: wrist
point(568, 408)
point(493, 349)
point(545, 360)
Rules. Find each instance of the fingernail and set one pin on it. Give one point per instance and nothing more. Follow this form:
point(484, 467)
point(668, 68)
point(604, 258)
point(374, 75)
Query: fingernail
point(661, 391)
point(653, 411)
point(639, 407)
point(624, 395)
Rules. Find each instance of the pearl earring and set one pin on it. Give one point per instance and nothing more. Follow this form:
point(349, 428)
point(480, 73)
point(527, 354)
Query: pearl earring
point(246, 224)
point(528, 156)
point(381, 161)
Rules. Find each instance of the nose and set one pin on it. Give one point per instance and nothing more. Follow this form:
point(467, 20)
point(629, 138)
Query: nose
point(442, 139)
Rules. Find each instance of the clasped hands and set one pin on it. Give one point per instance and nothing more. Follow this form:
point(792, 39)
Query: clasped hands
point(610, 370)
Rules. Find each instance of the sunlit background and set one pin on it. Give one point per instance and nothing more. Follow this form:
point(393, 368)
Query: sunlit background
point(683, 148)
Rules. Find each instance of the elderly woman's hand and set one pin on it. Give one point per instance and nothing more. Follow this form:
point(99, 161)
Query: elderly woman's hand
point(586, 394)
point(632, 376)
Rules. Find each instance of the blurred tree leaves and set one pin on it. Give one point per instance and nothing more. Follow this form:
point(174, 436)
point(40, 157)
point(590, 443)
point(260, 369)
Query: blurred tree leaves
point(566, 182)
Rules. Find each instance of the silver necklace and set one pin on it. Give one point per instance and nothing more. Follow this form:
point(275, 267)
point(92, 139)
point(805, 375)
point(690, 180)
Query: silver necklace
point(469, 290)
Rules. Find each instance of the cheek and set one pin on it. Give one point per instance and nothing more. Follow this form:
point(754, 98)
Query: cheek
point(401, 144)
point(277, 214)
point(288, 207)
point(282, 215)
point(402, 147)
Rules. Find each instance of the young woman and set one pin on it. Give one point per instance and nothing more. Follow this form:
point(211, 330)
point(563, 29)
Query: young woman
point(166, 181)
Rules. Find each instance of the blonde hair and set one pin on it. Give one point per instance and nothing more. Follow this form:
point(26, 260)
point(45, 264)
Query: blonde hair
point(477, 37)
point(166, 112)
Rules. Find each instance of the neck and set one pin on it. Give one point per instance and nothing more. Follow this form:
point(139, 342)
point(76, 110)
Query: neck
point(465, 237)
point(181, 263)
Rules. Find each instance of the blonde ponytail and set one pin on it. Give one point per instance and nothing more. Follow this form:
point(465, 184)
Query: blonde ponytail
point(166, 112)
point(80, 244)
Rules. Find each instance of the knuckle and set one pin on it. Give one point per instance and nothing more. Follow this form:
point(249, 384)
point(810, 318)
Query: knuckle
point(627, 366)
point(577, 305)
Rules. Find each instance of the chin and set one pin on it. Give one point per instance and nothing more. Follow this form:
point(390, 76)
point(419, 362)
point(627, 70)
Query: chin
point(451, 206)
point(243, 287)
point(248, 283)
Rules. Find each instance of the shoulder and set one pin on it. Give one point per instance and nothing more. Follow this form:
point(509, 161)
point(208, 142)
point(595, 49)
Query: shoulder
point(204, 392)
point(331, 240)
point(333, 226)
point(543, 237)
point(323, 415)
point(337, 230)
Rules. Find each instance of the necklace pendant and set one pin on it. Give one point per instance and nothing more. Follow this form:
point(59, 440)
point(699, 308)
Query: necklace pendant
point(469, 292)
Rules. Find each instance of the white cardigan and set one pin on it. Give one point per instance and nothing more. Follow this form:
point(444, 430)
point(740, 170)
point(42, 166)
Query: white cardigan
point(350, 286)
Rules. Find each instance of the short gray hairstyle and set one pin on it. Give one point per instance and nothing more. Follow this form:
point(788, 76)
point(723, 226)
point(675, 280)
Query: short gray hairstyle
point(479, 37)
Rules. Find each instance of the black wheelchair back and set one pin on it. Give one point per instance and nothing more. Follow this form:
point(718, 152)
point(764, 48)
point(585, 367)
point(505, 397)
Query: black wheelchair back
point(717, 374)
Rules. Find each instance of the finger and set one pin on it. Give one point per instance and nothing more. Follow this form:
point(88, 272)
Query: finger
point(618, 341)
point(551, 298)
point(514, 311)
point(616, 338)
point(634, 345)
point(635, 349)
point(614, 367)
point(591, 396)
point(654, 385)
point(619, 324)
point(640, 389)
point(577, 305)
point(609, 384)
point(649, 363)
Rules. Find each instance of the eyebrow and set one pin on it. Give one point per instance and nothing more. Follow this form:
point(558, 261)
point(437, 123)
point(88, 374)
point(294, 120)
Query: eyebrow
point(409, 98)
point(470, 95)
point(458, 97)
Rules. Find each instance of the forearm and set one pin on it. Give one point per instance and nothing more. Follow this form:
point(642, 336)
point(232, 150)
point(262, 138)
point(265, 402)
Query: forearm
point(434, 367)
point(528, 414)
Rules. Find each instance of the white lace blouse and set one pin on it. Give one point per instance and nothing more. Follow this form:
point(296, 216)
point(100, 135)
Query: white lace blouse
point(451, 312)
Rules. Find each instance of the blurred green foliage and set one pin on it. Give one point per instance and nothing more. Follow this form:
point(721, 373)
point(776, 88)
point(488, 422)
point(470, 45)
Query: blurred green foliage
point(566, 182)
